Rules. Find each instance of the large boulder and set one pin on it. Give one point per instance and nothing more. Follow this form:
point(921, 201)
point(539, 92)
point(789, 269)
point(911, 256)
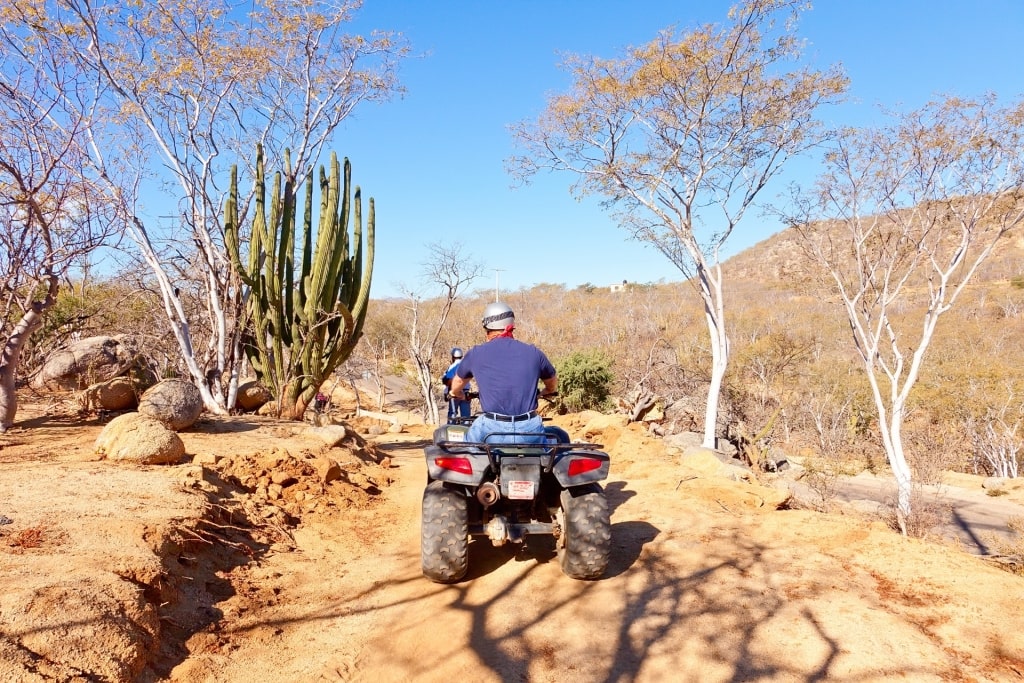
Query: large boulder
point(85, 362)
point(175, 402)
point(136, 438)
point(252, 395)
point(114, 394)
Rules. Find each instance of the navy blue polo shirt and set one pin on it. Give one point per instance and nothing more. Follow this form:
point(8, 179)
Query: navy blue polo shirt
point(506, 371)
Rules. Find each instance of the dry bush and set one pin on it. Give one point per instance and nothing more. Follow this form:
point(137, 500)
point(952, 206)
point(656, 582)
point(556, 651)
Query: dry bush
point(929, 510)
point(998, 441)
point(934, 448)
point(822, 477)
point(1009, 553)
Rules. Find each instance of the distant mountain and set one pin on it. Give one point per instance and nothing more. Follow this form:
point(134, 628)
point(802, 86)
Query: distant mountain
point(781, 261)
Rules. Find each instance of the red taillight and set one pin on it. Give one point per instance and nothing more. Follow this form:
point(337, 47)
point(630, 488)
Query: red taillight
point(581, 465)
point(460, 465)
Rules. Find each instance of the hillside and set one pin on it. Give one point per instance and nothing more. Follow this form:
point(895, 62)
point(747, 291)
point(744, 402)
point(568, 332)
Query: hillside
point(780, 261)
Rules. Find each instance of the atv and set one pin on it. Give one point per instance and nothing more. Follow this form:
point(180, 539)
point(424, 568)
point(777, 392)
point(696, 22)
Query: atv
point(505, 492)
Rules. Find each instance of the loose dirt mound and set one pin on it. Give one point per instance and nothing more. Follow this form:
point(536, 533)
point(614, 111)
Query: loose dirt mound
point(109, 569)
point(288, 489)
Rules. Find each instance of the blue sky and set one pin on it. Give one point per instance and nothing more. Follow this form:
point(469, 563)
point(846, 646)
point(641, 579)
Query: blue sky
point(433, 160)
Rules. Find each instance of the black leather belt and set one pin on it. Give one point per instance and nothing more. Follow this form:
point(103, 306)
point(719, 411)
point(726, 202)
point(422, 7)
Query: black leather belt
point(510, 418)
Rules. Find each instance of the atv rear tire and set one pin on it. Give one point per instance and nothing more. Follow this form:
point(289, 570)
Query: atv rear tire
point(444, 533)
point(586, 539)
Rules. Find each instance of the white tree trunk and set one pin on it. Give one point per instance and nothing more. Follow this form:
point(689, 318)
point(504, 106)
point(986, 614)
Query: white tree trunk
point(425, 380)
point(10, 355)
point(9, 359)
point(719, 359)
point(177, 318)
point(714, 314)
point(900, 468)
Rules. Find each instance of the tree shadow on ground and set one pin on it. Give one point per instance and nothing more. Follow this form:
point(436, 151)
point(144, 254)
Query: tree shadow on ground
point(616, 493)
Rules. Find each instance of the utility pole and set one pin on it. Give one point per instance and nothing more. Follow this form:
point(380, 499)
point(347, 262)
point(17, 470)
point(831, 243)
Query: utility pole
point(496, 288)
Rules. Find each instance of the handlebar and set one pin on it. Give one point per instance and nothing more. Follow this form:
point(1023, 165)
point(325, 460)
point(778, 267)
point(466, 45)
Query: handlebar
point(470, 395)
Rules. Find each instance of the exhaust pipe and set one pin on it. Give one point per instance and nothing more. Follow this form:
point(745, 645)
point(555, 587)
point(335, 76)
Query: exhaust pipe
point(488, 494)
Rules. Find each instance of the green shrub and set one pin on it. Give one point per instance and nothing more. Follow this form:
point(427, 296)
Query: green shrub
point(584, 381)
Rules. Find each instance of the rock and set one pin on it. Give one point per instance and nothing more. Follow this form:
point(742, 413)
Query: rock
point(655, 413)
point(85, 362)
point(206, 458)
point(684, 440)
point(282, 479)
point(274, 459)
point(137, 438)
point(252, 395)
point(683, 415)
point(331, 435)
point(994, 483)
point(114, 394)
point(336, 435)
point(327, 470)
point(727, 447)
point(175, 402)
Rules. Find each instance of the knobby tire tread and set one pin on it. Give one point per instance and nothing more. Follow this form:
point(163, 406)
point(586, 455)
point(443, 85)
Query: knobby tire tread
point(586, 539)
point(444, 533)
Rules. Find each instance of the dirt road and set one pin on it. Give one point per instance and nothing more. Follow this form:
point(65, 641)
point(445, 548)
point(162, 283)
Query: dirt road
point(708, 581)
point(970, 518)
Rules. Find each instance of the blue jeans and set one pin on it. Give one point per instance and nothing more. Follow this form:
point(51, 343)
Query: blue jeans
point(482, 426)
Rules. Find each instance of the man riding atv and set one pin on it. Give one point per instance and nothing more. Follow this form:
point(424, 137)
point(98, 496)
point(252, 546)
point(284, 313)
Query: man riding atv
point(506, 372)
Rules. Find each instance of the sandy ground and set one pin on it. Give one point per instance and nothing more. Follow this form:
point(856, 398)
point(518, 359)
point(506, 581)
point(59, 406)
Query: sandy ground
point(196, 572)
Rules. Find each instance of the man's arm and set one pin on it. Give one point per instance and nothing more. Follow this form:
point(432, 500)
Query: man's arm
point(550, 385)
point(456, 389)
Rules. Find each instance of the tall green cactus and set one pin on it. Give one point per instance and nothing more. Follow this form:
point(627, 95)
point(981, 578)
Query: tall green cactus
point(305, 318)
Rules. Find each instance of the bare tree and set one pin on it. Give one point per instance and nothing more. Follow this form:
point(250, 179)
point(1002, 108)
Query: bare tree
point(909, 212)
point(378, 350)
point(51, 213)
point(681, 135)
point(185, 89)
point(998, 440)
point(452, 272)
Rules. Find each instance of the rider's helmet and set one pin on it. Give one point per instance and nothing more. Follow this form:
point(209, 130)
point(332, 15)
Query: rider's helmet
point(456, 353)
point(498, 316)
